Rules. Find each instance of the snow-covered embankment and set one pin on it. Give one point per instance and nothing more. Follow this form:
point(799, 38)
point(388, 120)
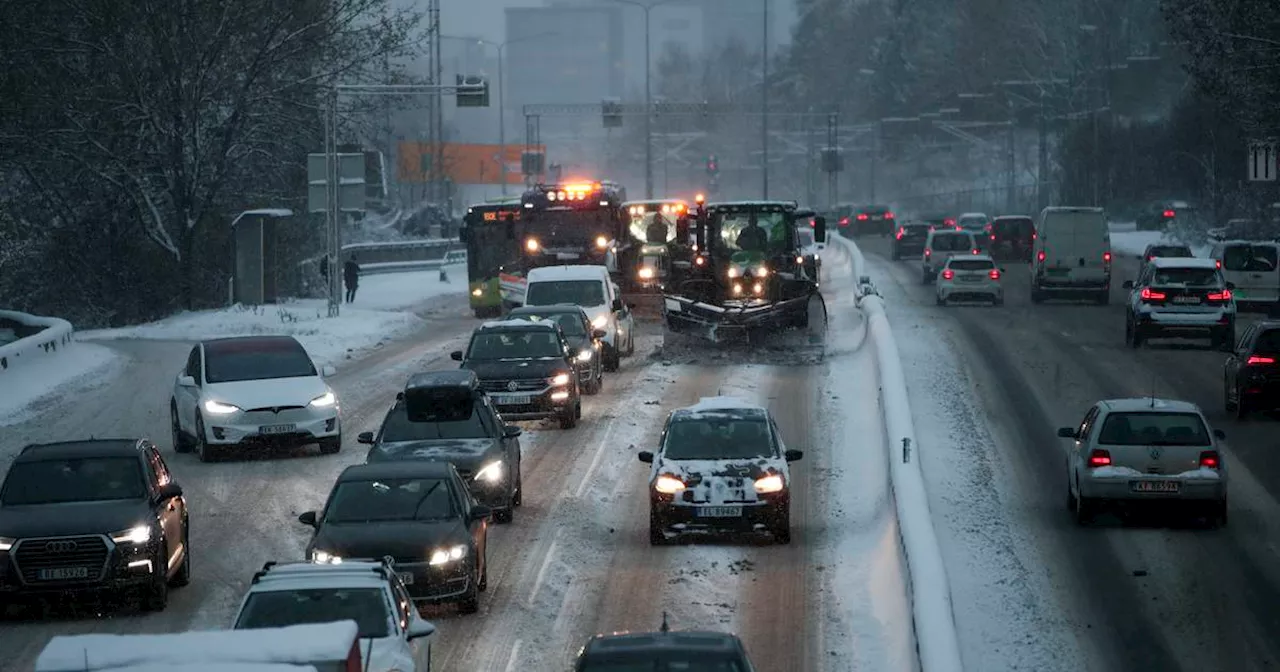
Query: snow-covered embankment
point(44, 356)
point(930, 591)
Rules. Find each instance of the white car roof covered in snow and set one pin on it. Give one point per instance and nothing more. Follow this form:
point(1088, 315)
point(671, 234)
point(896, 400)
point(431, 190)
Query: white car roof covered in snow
point(1148, 404)
point(302, 575)
point(520, 324)
point(571, 272)
point(1183, 262)
point(974, 214)
point(216, 667)
point(971, 257)
point(318, 642)
point(721, 406)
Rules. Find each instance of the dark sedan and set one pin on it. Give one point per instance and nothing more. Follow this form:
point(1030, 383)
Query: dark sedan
point(421, 515)
point(442, 416)
point(578, 333)
point(526, 368)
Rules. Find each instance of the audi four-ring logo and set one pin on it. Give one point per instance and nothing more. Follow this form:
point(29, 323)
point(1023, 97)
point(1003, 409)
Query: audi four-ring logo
point(512, 386)
point(61, 546)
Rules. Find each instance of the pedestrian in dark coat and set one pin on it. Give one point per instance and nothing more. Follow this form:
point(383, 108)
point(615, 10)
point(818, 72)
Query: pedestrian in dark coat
point(351, 276)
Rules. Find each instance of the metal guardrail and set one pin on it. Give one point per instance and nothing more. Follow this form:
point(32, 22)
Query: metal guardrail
point(454, 257)
point(409, 250)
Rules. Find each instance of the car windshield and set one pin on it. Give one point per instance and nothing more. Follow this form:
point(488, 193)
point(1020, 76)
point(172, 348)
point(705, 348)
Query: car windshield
point(81, 479)
point(737, 234)
point(391, 500)
point(522, 344)
point(952, 242)
point(570, 323)
point(1173, 251)
point(1191, 277)
point(1153, 428)
point(228, 362)
point(280, 608)
point(971, 265)
point(718, 439)
point(397, 427)
point(585, 293)
point(1251, 258)
point(664, 662)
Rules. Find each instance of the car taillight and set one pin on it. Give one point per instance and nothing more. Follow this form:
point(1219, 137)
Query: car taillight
point(1150, 257)
point(1040, 257)
point(928, 253)
point(1170, 213)
point(948, 274)
point(844, 221)
point(862, 217)
point(888, 215)
point(1034, 235)
point(1224, 295)
point(949, 222)
point(1149, 295)
point(995, 274)
point(1260, 361)
point(993, 236)
point(1106, 257)
point(975, 251)
point(1209, 459)
point(1099, 458)
point(900, 232)
point(1217, 263)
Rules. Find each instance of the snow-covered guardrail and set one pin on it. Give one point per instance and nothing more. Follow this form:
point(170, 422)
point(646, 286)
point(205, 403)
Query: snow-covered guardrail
point(930, 591)
point(37, 338)
point(431, 249)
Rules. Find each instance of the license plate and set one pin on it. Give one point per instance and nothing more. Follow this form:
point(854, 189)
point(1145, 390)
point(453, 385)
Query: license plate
point(1156, 486)
point(277, 429)
point(406, 578)
point(63, 574)
point(1059, 271)
point(970, 278)
point(513, 400)
point(719, 511)
point(1186, 299)
point(876, 217)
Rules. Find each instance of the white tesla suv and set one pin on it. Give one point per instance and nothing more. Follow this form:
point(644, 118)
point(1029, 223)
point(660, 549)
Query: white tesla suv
point(253, 390)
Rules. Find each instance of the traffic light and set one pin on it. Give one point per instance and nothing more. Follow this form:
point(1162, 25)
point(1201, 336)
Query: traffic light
point(713, 165)
point(476, 93)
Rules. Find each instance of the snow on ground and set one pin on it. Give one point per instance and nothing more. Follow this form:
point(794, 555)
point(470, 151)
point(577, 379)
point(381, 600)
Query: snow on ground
point(381, 312)
point(1005, 617)
point(22, 388)
point(1126, 240)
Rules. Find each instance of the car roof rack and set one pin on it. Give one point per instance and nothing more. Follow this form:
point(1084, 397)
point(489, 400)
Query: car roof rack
point(384, 568)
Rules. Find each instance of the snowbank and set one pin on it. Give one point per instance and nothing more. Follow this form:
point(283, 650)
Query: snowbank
point(380, 313)
point(22, 387)
point(1126, 241)
point(930, 589)
point(54, 333)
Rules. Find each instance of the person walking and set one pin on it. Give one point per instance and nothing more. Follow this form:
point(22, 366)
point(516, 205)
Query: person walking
point(351, 276)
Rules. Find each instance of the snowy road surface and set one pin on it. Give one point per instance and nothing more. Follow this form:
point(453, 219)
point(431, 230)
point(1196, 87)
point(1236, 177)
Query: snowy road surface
point(1033, 591)
point(576, 561)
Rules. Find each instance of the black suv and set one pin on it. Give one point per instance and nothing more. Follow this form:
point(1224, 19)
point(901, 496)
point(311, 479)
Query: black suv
point(102, 515)
point(909, 239)
point(1012, 238)
point(1251, 375)
point(526, 368)
point(442, 416)
point(421, 515)
point(664, 651)
point(579, 334)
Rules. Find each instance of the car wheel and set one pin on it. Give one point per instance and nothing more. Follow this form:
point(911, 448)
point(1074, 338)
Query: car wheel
point(592, 386)
point(1137, 337)
point(470, 602)
point(631, 341)
point(925, 277)
point(183, 577)
point(330, 445)
point(781, 529)
point(1037, 294)
point(483, 584)
point(1218, 513)
point(611, 359)
point(156, 595)
point(1071, 496)
point(1086, 507)
point(203, 450)
point(1242, 406)
point(577, 408)
point(180, 442)
point(657, 530)
point(568, 419)
point(939, 300)
point(517, 498)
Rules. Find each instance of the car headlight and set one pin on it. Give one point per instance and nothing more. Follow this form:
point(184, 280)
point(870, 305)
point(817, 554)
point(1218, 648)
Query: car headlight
point(600, 322)
point(444, 556)
point(477, 292)
point(219, 408)
point(325, 400)
point(325, 558)
point(646, 273)
point(799, 259)
point(531, 245)
point(761, 271)
point(668, 485)
point(770, 483)
point(733, 272)
point(602, 242)
point(140, 534)
point(586, 355)
point(492, 472)
point(7, 543)
point(559, 379)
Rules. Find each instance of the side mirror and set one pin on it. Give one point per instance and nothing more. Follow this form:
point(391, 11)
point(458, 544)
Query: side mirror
point(1219, 434)
point(820, 229)
point(1067, 432)
point(186, 381)
point(481, 512)
point(645, 456)
point(419, 627)
point(168, 491)
point(511, 431)
point(1231, 285)
point(617, 305)
point(599, 333)
point(794, 455)
point(328, 371)
point(309, 519)
point(366, 438)
point(456, 355)
point(1128, 284)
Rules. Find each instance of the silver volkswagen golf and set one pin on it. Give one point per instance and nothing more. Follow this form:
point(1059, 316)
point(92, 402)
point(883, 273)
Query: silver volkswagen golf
point(1145, 450)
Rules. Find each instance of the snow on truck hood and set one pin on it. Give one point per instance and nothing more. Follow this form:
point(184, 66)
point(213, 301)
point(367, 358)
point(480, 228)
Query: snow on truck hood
point(722, 481)
point(267, 393)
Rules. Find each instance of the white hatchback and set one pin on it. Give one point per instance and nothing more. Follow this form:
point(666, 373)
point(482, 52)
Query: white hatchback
point(971, 278)
point(262, 390)
point(940, 246)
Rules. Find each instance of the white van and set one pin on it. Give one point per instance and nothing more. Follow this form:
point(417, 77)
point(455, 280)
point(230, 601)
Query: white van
point(1072, 255)
point(1254, 269)
point(593, 289)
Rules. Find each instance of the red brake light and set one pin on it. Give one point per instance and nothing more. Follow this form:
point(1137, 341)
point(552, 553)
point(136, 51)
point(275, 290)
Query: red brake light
point(1257, 361)
point(1217, 263)
point(928, 253)
point(949, 221)
point(1040, 257)
point(948, 274)
point(1034, 235)
point(1209, 459)
point(995, 274)
point(1148, 295)
point(993, 236)
point(1106, 257)
point(844, 221)
point(1099, 458)
point(862, 217)
point(888, 215)
point(1224, 295)
point(900, 232)
point(976, 250)
point(1170, 213)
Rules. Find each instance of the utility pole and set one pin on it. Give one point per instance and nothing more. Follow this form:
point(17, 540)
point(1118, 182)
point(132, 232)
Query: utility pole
point(1010, 202)
point(764, 105)
point(1042, 168)
point(877, 130)
point(833, 137)
point(441, 194)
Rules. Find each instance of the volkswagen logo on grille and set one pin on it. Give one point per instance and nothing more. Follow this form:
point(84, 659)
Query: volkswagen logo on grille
point(513, 386)
point(1155, 453)
point(61, 546)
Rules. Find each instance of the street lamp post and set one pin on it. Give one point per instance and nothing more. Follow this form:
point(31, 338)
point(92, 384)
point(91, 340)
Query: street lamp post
point(648, 93)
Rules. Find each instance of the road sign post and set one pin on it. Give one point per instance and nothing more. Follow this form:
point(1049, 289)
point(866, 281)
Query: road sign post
point(1262, 161)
